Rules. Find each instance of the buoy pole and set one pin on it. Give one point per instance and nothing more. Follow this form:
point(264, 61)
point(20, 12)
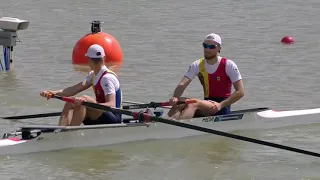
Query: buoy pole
point(11, 58)
point(7, 58)
point(4, 59)
point(7, 55)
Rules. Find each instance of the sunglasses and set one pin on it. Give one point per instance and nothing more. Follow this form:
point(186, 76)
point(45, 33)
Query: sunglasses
point(210, 46)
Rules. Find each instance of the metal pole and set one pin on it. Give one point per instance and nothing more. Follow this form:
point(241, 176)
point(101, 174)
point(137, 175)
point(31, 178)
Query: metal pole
point(1, 60)
point(11, 57)
point(6, 58)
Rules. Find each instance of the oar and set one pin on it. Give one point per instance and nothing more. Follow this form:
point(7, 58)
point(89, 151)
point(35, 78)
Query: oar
point(135, 103)
point(156, 104)
point(132, 102)
point(33, 116)
point(136, 106)
point(147, 118)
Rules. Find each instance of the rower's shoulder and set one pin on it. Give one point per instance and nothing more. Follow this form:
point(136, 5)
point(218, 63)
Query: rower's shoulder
point(89, 75)
point(227, 59)
point(196, 62)
point(110, 77)
point(229, 62)
point(231, 67)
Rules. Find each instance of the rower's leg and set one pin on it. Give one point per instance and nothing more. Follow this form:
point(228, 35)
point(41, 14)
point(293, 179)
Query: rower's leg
point(92, 113)
point(81, 112)
point(205, 107)
point(175, 111)
point(188, 111)
point(66, 114)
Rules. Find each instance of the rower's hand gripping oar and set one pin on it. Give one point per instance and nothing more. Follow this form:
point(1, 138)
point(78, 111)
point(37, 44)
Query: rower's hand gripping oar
point(147, 118)
point(99, 106)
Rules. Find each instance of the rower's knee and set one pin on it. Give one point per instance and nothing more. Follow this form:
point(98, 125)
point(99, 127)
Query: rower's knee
point(175, 109)
point(68, 105)
point(192, 105)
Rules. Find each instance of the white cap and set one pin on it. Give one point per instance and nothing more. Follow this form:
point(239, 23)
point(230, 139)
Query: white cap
point(214, 37)
point(95, 51)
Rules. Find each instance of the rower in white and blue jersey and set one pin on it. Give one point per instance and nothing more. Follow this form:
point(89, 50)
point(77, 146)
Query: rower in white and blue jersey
point(107, 92)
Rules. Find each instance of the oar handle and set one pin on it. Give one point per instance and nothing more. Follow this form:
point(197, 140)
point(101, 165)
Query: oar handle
point(63, 98)
point(67, 99)
point(137, 106)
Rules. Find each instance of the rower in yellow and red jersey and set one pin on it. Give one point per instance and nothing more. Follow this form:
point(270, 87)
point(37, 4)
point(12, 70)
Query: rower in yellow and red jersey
point(106, 88)
point(219, 79)
point(217, 75)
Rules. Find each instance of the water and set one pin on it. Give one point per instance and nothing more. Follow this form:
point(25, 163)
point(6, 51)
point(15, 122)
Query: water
point(159, 40)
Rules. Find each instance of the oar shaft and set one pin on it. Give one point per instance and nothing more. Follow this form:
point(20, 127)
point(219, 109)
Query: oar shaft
point(234, 136)
point(148, 105)
point(33, 116)
point(156, 104)
point(134, 103)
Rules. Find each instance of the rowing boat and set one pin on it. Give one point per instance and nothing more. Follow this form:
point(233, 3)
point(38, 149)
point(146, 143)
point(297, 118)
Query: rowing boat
point(36, 138)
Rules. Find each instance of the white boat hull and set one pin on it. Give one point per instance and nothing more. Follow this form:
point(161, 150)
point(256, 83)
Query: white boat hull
point(281, 114)
point(106, 136)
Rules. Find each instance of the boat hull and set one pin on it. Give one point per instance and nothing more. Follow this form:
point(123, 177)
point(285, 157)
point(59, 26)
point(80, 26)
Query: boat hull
point(139, 131)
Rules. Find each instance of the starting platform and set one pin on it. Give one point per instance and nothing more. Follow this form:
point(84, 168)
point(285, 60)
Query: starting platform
point(8, 37)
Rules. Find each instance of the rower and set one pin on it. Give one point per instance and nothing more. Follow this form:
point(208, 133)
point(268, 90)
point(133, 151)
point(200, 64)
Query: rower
point(217, 75)
point(106, 87)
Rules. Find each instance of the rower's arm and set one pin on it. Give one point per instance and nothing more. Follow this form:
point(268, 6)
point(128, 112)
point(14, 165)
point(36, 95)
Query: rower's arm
point(181, 87)
point(110, 100)
point(73, 90)
point(187, 78)
point(238, 94)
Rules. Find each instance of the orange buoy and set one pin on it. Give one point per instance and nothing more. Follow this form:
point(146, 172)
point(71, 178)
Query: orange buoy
point(110, 45)
point(287, 40)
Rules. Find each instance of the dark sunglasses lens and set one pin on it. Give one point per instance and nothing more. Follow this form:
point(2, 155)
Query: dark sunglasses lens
point(208, 46)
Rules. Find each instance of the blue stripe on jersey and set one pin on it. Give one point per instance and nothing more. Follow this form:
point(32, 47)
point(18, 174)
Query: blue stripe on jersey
point(118, 92)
